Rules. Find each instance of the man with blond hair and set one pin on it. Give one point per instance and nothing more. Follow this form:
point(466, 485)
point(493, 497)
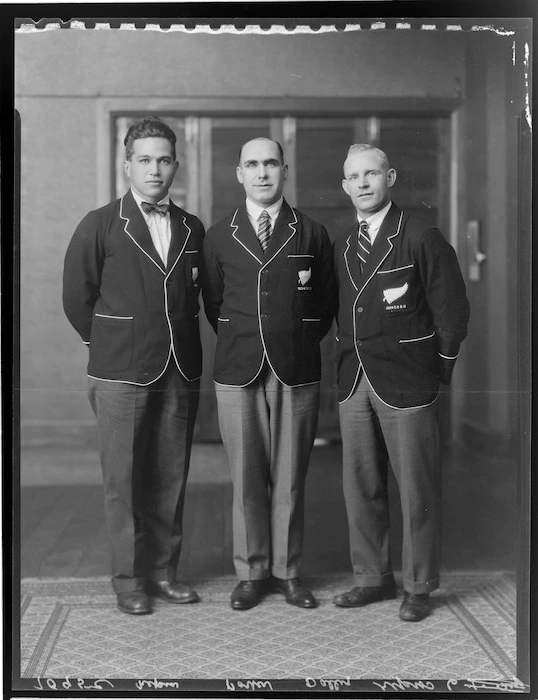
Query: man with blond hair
point(403, 313)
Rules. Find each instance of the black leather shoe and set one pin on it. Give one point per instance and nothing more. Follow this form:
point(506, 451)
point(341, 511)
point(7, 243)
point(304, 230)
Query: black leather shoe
point(295, 593)
point(415, 607)
point(364, 595)
point(171, 592)
point(247, 594)
point(134, 603)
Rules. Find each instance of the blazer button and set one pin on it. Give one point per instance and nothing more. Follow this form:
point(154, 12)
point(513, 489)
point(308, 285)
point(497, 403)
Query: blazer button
point(264, 293)
point(359, 309)
point(359, 342)
point(263, 315)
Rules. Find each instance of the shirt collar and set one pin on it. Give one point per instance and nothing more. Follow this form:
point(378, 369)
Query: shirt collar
point(254, 210)
point(138, 199)
point(375, 220)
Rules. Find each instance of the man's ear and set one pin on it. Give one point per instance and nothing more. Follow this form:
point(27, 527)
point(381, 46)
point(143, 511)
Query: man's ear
point(391, 177)
point(126, 167)
point(239, 174)
point(345, 187)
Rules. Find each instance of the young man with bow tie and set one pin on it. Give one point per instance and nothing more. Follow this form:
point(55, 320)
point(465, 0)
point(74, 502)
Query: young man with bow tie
point(403, 313)
point(131, 292)
point(269, 293)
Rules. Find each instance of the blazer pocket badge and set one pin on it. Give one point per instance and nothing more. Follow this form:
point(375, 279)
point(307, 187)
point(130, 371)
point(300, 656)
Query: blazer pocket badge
point(304, 276)
point(194, 274)
point(393, 294)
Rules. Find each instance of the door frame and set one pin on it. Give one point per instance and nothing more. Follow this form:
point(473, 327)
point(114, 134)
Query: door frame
point(199, 113)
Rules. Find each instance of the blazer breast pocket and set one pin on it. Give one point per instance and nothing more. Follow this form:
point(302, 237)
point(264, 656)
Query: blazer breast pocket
point(396, 290)
point(111, 342)
point(188, 297)
point(301, 265)
point(193, 270)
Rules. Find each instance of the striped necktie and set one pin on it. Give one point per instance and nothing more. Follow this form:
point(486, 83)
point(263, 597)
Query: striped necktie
point(264, 229)
point(365, 246)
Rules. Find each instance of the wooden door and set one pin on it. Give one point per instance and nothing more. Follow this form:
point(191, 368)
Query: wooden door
point(315, 148)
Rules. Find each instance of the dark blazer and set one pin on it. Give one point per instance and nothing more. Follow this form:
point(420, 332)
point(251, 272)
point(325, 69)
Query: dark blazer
point(131, 310)
point(404, 317)
point(280, 302)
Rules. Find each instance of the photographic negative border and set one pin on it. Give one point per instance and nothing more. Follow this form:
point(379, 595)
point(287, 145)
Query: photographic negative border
point(238, 19)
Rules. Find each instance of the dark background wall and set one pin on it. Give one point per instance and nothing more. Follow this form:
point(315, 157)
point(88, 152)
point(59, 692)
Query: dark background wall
point(66, 78)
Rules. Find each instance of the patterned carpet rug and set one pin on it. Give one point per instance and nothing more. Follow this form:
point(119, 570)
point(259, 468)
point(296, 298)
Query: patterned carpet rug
point(71, 629)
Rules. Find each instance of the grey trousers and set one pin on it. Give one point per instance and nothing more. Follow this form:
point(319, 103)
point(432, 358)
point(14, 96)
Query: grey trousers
point(372, 435)
point(268, 430)
point(145, 437)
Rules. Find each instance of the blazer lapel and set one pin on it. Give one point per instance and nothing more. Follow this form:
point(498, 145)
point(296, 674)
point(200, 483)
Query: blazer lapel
point(179, 234)
point(136, 228)
point(285, 228)
point(351, 258)
point(243, 233)
point(382, 244)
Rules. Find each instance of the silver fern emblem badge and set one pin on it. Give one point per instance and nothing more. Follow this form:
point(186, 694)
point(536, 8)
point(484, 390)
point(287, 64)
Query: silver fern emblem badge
point(390, 295)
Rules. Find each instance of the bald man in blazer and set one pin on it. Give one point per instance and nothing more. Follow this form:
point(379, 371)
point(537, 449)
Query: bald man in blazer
point(269, 293)
point(403, 313)
point(130, 290)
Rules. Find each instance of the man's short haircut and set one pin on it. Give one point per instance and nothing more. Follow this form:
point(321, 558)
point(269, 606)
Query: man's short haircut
point(361, 147)
point(280, 149)
point(145, 128)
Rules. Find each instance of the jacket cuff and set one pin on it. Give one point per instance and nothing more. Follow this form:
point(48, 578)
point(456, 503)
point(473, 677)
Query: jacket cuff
point(447, 367)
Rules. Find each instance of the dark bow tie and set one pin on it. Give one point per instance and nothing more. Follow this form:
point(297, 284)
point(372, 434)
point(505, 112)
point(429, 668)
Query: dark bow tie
point(161, 209)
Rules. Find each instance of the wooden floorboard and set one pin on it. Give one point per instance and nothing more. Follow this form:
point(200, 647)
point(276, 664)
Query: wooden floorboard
point(35, 505)
point(45, 534)
point(96, 558)
point(207, 539)
point(63, 532)
point(73, 542)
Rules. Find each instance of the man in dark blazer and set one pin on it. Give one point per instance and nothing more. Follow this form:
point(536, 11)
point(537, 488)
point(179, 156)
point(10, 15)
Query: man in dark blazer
point(403, 313)
point(131, 292)
point(269, 293)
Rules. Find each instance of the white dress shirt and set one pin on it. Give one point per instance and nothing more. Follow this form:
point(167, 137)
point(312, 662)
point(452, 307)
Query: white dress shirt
point(159, 226)
point(374, 221)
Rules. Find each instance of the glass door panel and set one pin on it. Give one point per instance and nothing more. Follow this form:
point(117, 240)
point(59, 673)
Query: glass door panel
point(413, 146)
point(227, 137)
point(320, 150)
